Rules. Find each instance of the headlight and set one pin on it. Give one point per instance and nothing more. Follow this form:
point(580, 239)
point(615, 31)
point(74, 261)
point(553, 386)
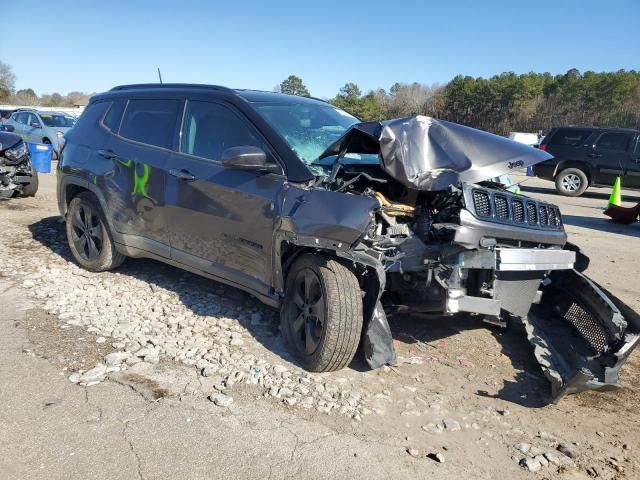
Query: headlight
point(17, 152)
point(59, 134)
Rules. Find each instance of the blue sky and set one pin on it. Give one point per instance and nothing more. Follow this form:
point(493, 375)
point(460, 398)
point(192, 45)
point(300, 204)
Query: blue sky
point(92, 46)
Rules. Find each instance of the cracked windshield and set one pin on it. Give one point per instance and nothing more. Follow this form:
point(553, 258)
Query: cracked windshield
point(310, 130)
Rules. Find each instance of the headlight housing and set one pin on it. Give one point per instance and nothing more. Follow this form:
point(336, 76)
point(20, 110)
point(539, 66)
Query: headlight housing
point(59, 134)
point(16, 153)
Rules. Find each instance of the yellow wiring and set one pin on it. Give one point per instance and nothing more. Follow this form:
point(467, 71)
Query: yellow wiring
point(394, 209)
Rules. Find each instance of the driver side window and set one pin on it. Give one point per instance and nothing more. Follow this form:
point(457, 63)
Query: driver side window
point(211, 128)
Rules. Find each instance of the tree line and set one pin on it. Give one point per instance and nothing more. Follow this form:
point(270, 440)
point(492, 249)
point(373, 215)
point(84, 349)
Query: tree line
point(27, 96)
point(503, 103)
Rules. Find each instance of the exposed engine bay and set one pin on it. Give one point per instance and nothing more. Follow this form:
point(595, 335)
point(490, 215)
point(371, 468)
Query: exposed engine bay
point(16, 171)
point(443, 242)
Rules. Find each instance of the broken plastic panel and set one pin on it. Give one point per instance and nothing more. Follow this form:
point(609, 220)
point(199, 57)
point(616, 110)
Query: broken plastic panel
point(581, 338)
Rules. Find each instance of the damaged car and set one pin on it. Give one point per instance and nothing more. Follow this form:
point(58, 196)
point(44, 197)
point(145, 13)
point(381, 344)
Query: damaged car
point(17, 175)
point(336, 222)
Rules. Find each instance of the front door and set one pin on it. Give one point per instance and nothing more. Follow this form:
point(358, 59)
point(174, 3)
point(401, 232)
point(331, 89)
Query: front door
point(220, 219)
point(33, 131)
point(612, 156)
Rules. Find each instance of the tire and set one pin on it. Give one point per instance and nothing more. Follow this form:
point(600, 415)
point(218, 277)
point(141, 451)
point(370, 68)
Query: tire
point(31, 189)
point(85, 220)
point(321, 318)
point(571, 182)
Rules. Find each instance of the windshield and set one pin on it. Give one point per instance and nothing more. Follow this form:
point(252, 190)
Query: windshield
point(308, 128)
point(60, 121)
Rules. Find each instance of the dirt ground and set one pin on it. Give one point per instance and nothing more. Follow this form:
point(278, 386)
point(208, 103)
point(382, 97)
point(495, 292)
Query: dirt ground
point(472, 394)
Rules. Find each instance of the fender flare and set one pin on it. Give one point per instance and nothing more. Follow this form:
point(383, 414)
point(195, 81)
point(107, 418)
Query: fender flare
point(584, 166)
point(68, 180)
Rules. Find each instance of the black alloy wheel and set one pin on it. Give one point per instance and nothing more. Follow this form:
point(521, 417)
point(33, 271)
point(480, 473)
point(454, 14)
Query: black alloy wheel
point(86, 232)
point(307, 323)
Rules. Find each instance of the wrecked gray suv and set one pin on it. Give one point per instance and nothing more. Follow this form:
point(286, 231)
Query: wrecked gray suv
point(336, 222)
point(17, 175)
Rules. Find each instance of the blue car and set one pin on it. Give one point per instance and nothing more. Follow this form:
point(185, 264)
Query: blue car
point(41, 127)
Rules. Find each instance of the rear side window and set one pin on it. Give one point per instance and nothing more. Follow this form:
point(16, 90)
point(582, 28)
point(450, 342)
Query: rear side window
point(151, 121)
point(113, 116)
point(21, 118)
point(87, 123)
point(569, 138)
point(616, 141)
point(210, 128)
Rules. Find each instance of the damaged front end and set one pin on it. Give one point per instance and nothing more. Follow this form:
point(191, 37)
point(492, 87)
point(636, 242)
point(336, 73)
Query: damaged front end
point(437, 237)
point(16, 171)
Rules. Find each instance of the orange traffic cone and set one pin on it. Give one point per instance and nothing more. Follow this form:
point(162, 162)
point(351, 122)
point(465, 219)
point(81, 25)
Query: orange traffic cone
point(615, 198)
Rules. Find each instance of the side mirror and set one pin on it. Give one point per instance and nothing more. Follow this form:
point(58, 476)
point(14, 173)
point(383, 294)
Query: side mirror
point(9, 128)
point(35, 125)
point(244, 158)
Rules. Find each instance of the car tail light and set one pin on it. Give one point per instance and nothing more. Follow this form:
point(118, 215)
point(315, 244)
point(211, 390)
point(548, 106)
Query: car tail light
point(542, 147)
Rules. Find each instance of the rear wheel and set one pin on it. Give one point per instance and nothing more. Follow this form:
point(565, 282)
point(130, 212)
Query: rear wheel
point(571, 182)
point(88, 235)
point(321, 316)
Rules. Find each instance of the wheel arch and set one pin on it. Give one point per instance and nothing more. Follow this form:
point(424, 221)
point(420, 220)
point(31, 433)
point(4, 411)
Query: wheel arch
point(585, 167)
point(72, 186)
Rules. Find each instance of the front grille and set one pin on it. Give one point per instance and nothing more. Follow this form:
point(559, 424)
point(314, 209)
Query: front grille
point(502, 207)
point(505, 207)
point(518, 211)
point(481, 203)
point(532, 213)
point(544, 216)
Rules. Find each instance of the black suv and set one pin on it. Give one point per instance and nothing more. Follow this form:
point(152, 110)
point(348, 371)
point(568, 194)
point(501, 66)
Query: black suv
point(334, 221)
point(585, 156)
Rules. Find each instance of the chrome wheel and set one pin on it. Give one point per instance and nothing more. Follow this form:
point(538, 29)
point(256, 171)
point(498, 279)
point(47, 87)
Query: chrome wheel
point(307, 311)
point(571, 182)
point(86, 232)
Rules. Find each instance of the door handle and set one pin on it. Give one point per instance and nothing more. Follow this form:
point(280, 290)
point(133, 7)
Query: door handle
point(594, 155)
point(181, 174)
point(108, 154)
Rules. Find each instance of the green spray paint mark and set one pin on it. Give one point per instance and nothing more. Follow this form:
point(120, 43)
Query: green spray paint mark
point(140, 182)
point(126, 163)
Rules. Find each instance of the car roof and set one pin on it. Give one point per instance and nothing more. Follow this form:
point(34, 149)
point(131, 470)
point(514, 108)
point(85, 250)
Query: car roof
point(251, 96)
point(616, 129)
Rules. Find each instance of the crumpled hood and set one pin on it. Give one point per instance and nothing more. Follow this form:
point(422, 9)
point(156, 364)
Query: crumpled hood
point(424, 153)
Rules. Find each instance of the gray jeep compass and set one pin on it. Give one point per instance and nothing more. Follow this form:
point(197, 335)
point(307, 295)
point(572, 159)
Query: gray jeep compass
point(336, 222)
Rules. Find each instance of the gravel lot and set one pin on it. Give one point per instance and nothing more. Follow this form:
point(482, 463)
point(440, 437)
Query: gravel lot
point(464, 402)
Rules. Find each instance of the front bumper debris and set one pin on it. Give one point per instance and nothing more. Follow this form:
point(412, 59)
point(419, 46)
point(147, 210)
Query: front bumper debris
point(580, 335)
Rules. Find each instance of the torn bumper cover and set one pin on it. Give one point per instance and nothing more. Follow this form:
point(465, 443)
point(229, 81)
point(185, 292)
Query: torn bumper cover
point(581, 337)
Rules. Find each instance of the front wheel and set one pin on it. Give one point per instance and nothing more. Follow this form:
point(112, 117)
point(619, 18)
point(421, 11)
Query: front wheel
point(31, 188)
point(321, 317)
point(571, 182)
point(88, 235)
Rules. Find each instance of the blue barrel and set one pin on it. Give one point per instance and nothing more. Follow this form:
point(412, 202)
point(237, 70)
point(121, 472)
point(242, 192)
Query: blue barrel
point(40, 156)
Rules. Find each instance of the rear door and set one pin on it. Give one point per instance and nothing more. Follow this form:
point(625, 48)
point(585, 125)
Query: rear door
point(19, 122)
point(139, 154)
point(568, 144)
point(633, 175)
point(221, 220)
point(612, 156)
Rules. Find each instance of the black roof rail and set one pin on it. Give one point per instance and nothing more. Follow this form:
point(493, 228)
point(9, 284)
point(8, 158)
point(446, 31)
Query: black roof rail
point(141, 86)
